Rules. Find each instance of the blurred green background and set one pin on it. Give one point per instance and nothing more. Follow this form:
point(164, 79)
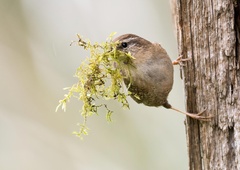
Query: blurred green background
point(37, 63)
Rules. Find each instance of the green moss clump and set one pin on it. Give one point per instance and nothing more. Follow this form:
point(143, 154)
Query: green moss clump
point(100, 77)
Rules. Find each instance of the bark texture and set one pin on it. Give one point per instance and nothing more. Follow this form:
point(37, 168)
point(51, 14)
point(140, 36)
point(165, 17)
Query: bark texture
point(208, 32)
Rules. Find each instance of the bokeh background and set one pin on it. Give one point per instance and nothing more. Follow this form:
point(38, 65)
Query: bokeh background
point(37, 63)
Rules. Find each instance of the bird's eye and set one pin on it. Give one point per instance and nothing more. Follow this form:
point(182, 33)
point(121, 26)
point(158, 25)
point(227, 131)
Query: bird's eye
point(124, 44)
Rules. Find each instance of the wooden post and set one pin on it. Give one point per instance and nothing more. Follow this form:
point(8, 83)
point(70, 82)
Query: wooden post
point(208, 33)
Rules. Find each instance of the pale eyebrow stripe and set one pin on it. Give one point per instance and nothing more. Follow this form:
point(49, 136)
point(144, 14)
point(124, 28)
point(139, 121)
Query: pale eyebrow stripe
point(131, 38)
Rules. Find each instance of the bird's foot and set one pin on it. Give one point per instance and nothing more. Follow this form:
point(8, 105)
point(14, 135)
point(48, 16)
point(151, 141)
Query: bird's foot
point(197, 116)
point(180, 60)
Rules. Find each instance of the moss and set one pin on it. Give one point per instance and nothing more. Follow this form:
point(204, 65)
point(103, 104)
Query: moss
point(100, 78)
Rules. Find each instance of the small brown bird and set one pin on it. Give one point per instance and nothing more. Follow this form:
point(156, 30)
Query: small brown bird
point(151, 75)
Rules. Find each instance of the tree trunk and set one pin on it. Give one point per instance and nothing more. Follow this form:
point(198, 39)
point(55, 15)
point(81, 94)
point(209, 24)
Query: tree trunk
point(208, 33)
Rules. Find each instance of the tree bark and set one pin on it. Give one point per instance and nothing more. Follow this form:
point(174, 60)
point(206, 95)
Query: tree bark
point(208, 33)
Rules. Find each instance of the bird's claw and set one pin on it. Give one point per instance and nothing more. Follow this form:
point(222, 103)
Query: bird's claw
point(200, 117)
point(197, 116)
point(180, 60)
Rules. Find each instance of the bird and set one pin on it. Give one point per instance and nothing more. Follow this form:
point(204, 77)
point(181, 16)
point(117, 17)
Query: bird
point(150, 77)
